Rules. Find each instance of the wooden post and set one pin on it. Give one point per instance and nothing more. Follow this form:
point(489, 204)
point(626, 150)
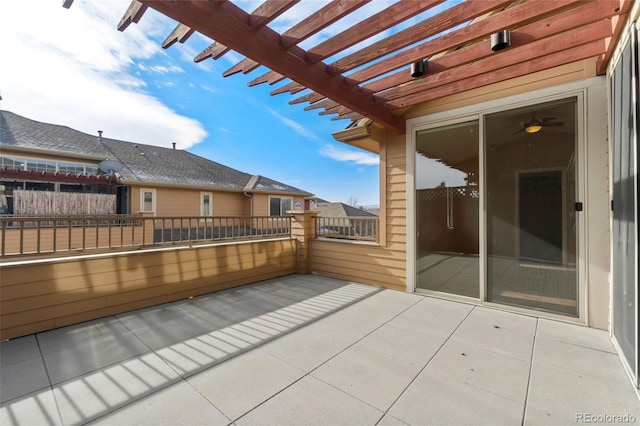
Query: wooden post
point(148, 227)
point(303, 229)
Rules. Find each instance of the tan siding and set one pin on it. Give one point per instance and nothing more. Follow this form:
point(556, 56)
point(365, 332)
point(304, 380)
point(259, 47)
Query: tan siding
point(37, 297)
point(231, 204)
point(397, 179)
point(358, 262)
point(177, 202)
point(260, 205)
point(186, 201)
point(383, 265)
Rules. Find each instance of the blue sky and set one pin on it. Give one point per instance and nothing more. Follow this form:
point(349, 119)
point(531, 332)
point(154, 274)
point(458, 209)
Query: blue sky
point(72, 67)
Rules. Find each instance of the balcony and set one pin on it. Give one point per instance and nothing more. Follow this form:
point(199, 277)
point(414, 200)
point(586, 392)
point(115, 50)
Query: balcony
point(305, 349)
point(229, 327)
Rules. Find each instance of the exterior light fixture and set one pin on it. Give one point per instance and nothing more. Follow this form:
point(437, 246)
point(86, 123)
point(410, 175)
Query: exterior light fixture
point(500, 40)
point(533, 126)
point(419, 68)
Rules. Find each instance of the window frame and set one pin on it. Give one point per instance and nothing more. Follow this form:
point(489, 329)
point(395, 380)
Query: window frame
point(281, 198)
point(152, 191)
point(202, 197)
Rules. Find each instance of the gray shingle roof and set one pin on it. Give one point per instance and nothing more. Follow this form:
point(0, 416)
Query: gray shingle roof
point(328, 209)
point(142, 163)
point(264, 184)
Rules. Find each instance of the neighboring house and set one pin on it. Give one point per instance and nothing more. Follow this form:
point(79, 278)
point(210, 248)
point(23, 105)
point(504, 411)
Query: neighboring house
point(341, 220)
point(337, 209)
point(49, 159)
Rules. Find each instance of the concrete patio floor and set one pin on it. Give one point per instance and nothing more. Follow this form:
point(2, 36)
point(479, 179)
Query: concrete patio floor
point(305, 349)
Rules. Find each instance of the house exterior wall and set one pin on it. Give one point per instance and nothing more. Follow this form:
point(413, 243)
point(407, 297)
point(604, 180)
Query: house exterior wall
point(186, 201)
point(53, 293)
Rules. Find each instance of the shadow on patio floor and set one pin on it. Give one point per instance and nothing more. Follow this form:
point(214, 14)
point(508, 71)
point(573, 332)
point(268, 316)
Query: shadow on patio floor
point(94, 368)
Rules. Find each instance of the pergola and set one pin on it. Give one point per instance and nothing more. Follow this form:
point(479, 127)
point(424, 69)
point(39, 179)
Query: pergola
point(375, 81)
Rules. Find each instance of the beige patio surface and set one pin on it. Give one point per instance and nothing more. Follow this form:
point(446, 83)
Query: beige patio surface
point(305, 349)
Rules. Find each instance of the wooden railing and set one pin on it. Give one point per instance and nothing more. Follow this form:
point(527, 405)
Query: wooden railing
point(24, 235)
point(350, 228)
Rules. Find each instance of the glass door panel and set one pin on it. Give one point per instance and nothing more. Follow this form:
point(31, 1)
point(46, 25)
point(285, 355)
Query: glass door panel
point(447, 209)
point(625, 205)
point(530, 199)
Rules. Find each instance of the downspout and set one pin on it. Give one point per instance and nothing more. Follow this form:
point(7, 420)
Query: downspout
point(249, 187)
point(251, 202)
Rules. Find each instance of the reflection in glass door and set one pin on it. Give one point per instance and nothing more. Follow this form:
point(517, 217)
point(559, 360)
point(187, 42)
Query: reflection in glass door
point(531, 207)
point(447, 209)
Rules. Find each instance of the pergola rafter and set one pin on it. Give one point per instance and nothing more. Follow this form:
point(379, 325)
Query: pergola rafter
point(373, 81)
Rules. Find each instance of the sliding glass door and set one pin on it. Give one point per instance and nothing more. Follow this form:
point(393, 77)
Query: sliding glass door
point(521, 206)
point(447, 209)
point(531, 207)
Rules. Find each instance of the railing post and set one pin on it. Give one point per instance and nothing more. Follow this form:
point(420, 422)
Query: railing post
point(148, 228)
point(303, 229)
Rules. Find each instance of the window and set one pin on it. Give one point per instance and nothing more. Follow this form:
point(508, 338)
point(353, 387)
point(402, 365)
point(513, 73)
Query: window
point(147, 200)
point(279, 206)
point(206, 204)
point(71, 188)
point(92, 170)
point(40, 186)
point(41, 166)
point(72, 169)
point(11, 163)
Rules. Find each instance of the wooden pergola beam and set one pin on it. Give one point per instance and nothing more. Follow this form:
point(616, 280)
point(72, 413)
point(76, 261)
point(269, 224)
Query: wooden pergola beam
point(434, 25)
point(181, 33)
point(229, 25)
point(566, 41)
point(381, 21)
point(132, 15)
point(214, 51)
point(309, 26)
point(573, 19)
point(582, 52)
point(512, 17)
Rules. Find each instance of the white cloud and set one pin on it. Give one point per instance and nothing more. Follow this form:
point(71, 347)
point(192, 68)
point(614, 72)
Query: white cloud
point(73, 67)
point(297, 127)
point(347, 155)
point(209, 88)
point(161, 69)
